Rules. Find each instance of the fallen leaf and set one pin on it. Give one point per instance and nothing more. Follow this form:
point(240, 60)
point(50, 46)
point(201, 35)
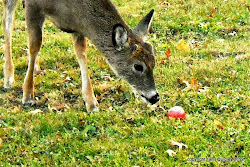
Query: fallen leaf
point(1, 141)
point(119, 88)
point(58, 106)
point(166, 59)
point(105, 107)
point(107, 77)
point(168, 54)
point(212, 13)
point(218, 124)
point(36, 111)
point(183, 45)
point(193, 85)
point(17, 109)
point(81, 122)
point(67, 79)
point(195, 43)
point(171, 153)
point(180, 145)
point(181, 83)
point(130, 120)
point(104, 87)
point(220, 127)
point(165, 45)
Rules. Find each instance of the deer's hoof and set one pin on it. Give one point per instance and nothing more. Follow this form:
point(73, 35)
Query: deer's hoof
point(95, 109)
point(92, 107)
point(9, 82)
point(28, 100)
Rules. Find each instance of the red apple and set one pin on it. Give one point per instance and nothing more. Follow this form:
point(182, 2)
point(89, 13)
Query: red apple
point(176, 112)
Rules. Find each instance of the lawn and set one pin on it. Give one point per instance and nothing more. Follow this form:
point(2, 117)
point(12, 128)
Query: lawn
point(202, 65)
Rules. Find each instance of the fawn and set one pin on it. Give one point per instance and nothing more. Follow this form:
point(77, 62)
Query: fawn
point(127, 51)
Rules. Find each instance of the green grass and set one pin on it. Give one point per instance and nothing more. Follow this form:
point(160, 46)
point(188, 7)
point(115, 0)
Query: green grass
point(127, 132)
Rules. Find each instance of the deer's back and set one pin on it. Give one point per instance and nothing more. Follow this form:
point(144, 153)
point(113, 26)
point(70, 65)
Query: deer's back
point(89, 17)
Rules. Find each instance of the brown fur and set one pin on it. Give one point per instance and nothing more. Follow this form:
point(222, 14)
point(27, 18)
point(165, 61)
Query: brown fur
point(80, 44)
point(99, 21)
point(9, 7)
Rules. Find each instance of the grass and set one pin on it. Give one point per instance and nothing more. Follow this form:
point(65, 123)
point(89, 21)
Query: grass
point(127, 132)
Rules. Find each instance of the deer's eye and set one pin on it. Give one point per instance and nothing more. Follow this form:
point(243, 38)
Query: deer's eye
point(138, 67)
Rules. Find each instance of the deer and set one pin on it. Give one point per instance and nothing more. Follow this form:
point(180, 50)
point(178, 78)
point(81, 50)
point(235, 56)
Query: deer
point(126, 50)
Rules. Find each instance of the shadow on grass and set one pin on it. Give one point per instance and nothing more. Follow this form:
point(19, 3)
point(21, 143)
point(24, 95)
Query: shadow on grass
point(12, 97)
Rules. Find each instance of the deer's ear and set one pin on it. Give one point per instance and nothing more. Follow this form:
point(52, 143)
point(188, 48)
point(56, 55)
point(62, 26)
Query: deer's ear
point(142, 28)
point(120, 37)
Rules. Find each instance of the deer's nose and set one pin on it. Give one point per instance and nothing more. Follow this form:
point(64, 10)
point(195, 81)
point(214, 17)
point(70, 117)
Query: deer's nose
point(154, 99)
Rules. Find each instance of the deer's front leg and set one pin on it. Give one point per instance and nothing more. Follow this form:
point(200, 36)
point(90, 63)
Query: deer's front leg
point(9, 11)
point(80, 44)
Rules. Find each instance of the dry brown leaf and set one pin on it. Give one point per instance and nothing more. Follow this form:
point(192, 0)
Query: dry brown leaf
point(105, 87)
point(218, 124)
point(171, 153)
point(166, 59)
point(212, 13)
point(181, 83)
point(119, 88)
point(180, 145)
point(220, 127)
point(58, 106)
point(193, 85)
point(168, 54)
point(107, 77)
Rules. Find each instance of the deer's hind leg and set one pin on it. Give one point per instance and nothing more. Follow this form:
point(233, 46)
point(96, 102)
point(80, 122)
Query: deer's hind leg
point(34, 20)
point(9, 11)
point(80, 44)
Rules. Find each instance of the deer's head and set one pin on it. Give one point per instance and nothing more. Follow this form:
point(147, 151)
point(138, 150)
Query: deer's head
point(134, 58)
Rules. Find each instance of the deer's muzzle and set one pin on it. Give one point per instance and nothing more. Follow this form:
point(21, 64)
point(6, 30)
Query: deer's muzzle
point(154, 99)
